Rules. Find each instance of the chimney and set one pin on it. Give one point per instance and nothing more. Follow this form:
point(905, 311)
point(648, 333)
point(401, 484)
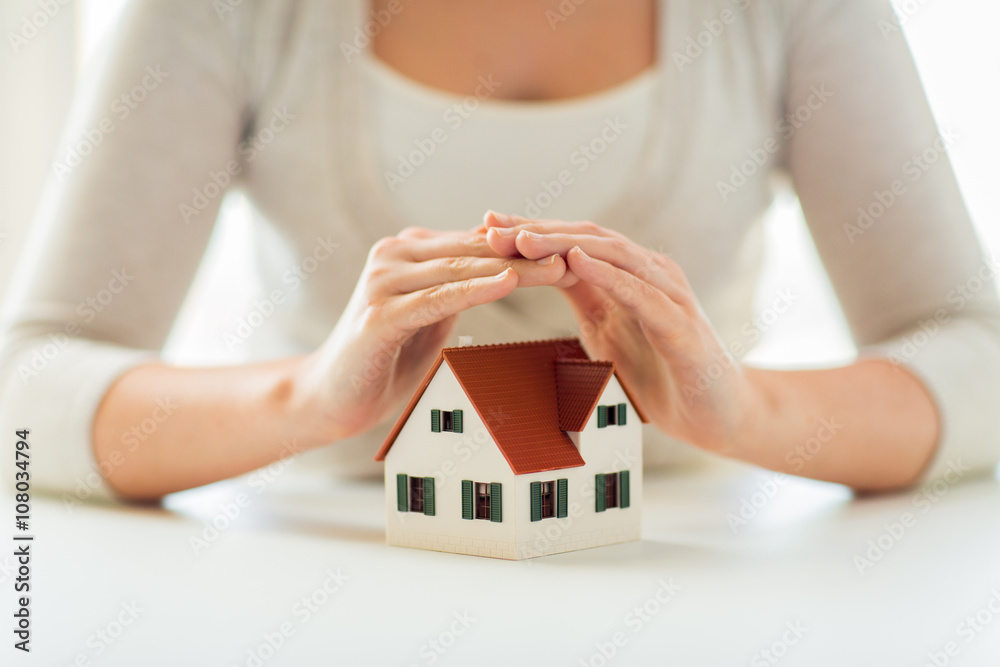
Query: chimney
point(465, 341)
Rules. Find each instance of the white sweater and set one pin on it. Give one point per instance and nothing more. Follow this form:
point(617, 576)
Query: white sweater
point(270, 97)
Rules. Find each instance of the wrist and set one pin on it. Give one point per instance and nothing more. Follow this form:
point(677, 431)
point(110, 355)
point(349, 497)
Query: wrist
point(295, 398)
point(758, 413)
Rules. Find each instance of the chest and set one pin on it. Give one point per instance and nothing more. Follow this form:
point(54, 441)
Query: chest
point(540, 50)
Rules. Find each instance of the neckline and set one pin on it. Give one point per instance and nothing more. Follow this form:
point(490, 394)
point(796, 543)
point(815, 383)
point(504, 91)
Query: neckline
point(637, 84)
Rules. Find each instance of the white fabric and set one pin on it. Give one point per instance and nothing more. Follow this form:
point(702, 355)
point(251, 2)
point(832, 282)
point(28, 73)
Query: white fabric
point(441, 155)
point(284, 73)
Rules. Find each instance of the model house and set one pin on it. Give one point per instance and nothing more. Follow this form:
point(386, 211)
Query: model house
point(515, 451)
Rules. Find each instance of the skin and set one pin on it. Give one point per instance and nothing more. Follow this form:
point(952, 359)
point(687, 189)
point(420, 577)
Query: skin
point(634, 307)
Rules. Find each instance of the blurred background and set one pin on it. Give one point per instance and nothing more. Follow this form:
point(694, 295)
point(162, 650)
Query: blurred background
point(954, 43)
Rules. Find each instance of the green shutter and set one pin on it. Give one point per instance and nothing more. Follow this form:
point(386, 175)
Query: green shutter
point(623, 491)
point(536, 501)
point(456, 421)
point(562, 497)
point(621, 414)
point(602, 416)
point(429, 496)
point(402, 499)
point(601, 501)
point(496, 503)
point(467, 512)
point(436, 421)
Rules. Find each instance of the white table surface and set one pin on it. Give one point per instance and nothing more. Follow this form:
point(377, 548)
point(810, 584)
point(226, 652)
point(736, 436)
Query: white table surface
point(792, 564)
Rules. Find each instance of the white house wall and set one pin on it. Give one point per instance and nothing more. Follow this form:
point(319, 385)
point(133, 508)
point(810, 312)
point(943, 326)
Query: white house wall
point(449, 458)
point(605, 450)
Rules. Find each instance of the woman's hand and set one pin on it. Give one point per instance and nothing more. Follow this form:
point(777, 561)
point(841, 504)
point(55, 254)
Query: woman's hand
point(402, 311)
point(635, 308)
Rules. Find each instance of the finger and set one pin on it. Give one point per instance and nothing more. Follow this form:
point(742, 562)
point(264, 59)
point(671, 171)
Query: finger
point(643, 263)
point(496, 219)
point(505, 249)
point(460, 244)
point(406, 277)
point(503, 239)
point(431, 305)
point(649, 305)
point(426, 233)
point(415, 233)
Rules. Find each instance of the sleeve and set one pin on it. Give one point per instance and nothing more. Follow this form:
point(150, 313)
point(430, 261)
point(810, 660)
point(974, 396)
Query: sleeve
point(879, 195)
point(121, 230)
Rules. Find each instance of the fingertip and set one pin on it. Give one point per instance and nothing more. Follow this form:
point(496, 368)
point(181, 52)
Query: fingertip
point(495, 240)
point(493, 219)
point(560, 265)
point(578, 260)
point(524, 236)
point(508, 279)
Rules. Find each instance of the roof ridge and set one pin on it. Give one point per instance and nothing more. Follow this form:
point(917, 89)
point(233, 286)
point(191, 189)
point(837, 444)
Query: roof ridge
point(524, 343)
point(592, 362)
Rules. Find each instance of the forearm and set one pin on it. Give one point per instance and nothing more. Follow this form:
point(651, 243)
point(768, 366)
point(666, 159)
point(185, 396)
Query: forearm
point(870, 425)
point(161, 429)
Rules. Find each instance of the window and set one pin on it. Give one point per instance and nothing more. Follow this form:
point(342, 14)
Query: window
point(482, 500)
point(449, 421)
point(611, 415)
point(549, 499)
point(612, 490)
point(415, 494)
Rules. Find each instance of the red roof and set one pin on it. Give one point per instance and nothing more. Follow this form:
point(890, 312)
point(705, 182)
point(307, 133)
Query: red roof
point(528, 395)
point(579, 383)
